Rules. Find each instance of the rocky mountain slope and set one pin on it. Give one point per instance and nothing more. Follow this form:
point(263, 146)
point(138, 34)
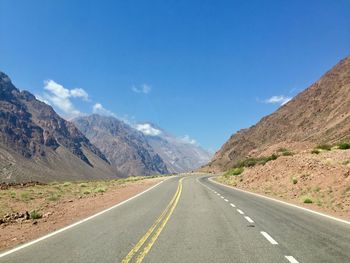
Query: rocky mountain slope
point(37, 144)
point(178, 154)
point(126, 148)
point(320, 114)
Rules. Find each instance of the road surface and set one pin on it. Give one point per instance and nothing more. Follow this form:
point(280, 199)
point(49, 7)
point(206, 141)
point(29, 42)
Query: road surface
point(192, 219)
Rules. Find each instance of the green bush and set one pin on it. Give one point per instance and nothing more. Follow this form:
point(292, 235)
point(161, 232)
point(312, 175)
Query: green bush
point(53, 197)
point(308, 201)
point(282, 150)
point(315, 151)
point(344, 146)
point(234, 171)
point(295, 180)
point(325, 147)
point(250, 162)
point(35, 215)
point(287, 153)
point(100, 190)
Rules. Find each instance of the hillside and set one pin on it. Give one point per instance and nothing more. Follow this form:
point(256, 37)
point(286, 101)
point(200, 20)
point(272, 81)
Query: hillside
point(320, 114)
point(37, 144)
point(126, 148)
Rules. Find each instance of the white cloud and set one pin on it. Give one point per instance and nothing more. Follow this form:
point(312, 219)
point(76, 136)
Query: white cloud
point(59, 96)
point(147, 129)
point(79, 93)
point(144, 88)
point(278, 100)
point(187, 139)
point(99, 109)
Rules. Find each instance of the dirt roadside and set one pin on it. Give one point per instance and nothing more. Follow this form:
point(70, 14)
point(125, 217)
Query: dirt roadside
point(64, 211)
point(320, 182)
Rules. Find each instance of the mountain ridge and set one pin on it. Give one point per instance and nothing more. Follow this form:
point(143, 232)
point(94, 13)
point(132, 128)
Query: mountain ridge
point(319, 114)
point(32, 130)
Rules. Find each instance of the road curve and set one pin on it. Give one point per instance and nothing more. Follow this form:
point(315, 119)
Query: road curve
point(192, 219)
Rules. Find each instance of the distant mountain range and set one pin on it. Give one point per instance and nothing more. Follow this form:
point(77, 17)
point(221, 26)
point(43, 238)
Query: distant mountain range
point(36, 144)
point(140, 148)
point(320, 114)
point(178, 154)
point(126, 148)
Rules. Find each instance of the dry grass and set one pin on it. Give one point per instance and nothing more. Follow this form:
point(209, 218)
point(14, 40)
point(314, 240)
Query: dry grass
point(40, 195)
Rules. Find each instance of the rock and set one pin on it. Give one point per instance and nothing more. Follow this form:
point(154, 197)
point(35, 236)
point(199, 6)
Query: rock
point(26, 215)
point(35, 222)
point(46, 215)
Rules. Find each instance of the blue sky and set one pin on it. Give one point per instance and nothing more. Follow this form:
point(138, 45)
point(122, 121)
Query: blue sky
point(199, 68)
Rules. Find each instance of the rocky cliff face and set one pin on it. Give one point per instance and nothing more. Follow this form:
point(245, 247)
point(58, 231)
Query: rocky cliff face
point(320, 114)
point(32, 129)
point(126, 148)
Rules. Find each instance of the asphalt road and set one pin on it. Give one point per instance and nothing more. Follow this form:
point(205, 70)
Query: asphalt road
point(195, 220)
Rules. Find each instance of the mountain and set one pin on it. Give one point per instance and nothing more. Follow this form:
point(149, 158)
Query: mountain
point(320, 114)
point(126, 148)
point(178, 154)
point(37, 144)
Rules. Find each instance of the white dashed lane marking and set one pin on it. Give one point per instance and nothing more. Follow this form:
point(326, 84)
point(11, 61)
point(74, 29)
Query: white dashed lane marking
point(269, 238)
point(291, 259)
point(240, 211)
point(249, 219)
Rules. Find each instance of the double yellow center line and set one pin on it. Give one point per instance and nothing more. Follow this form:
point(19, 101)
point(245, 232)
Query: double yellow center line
point(152, 234)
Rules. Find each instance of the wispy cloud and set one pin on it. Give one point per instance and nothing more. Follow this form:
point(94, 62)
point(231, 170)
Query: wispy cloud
point(187, 139)
point(278, 100)
point(59, 96)
point(99, 109)
point(144, 88)
point(147, 129)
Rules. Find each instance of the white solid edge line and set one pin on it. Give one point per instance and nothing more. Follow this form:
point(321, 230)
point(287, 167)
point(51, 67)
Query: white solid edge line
point(269, 238)
point(77, 223)
point(285, 203)
point(232, 205)
point(240, 211)
point(291, 259)
point(249, 219)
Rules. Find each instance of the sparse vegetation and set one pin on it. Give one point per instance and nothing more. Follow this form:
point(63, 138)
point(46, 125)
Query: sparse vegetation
point(284, 152)
point(100, 190)
point(343, 146)
point(307, 200)
point(53, 197)
point(250, 162)
point(325, 147)
point(35, 215)
point(234, 171)
point(294, 180)
point(315, 151)
point(346, 162)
